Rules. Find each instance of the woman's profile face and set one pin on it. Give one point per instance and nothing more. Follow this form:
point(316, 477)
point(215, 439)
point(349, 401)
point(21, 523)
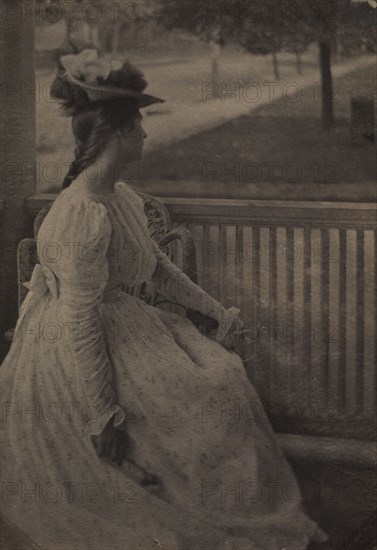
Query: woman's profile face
point(132, 141)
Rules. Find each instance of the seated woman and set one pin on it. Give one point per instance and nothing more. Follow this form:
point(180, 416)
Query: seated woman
point(121, 422)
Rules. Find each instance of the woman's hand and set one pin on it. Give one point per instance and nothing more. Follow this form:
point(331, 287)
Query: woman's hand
point(229, 328)
point(232, 336)
point(112, 443)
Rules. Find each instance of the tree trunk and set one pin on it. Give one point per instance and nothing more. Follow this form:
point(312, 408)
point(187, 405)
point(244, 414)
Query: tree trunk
point(298, 63)
point(275, 65)
point(326, 84)
point(336, 50)
point(94, 36)
point(137, 30)
point(115, 39)
point(69, 30)
point(215, 50)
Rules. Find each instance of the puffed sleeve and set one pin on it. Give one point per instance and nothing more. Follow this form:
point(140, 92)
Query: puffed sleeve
point(177, 287)
point(80, 231)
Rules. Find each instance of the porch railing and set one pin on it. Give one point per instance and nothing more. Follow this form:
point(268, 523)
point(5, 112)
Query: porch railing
point(304, 275)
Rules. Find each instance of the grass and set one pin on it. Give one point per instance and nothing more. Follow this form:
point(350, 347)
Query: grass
point(180, 81)
point(281, 142)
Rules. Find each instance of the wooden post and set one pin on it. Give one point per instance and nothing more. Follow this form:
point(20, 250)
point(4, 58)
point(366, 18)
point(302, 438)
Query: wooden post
point(18, 144)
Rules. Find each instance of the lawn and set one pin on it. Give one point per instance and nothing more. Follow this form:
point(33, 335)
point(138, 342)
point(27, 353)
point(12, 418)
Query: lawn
point(280, 142)
point(179, 79)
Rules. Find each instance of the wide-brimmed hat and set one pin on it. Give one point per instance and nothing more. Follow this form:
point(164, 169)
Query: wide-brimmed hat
point(102, 79)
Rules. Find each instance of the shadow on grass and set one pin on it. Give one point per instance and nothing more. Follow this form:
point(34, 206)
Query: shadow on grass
point(266, 148)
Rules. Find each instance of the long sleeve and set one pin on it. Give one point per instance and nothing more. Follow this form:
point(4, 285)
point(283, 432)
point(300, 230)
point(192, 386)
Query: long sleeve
point(177, 287)
point(81, 235)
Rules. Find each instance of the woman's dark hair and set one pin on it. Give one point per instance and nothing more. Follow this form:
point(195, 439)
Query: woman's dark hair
point(93, 125)
point(94, 122)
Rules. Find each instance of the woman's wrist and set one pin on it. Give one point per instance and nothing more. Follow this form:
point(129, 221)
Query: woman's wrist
point(227, 319)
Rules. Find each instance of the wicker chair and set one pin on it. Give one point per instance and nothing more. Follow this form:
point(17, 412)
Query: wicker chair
point(160, 228)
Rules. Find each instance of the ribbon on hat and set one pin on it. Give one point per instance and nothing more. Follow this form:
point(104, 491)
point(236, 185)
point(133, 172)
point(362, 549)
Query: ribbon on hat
point(42, 280)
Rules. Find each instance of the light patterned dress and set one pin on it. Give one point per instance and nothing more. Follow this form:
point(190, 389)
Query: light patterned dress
point(85, 351)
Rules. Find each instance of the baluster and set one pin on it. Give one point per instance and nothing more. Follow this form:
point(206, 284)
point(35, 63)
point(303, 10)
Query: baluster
point(223, 291)
point(325, 297)
point(205, 250)
point(273, 310)
point(299, 367)
point(256, 357)
point(369, 359)
point(289, 331)
point(342, 316)
point(256, 274)
point(334, 406)
point(351, 293)
point(359, 321)
point(307, 328)
point(280, 351)
point(239, 267)
point(197, 235)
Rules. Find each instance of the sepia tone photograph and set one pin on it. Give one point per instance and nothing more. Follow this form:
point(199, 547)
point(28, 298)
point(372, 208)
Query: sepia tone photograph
point(188, 289)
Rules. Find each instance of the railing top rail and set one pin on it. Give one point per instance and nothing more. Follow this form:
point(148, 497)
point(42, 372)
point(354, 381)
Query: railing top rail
point(273, 212)
point(359, 191)
point(257, 212)
point(273, 203)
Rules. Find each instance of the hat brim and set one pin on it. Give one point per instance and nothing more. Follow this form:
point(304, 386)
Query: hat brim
point(100, 93)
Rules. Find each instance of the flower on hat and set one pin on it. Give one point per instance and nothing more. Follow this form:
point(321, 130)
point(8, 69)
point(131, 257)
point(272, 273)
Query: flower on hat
point(116, 65)
point(90, 69)
point(87, 66)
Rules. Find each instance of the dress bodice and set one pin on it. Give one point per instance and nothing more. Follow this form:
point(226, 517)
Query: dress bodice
point(81, 226)
point(131, 257)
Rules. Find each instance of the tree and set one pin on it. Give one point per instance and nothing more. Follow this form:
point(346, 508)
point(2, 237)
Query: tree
point(356, 31)
point(100, 22)
point(296, 40)
point(264, 40)
point(331, 18)
point(193, 17)
point(262, 32)
point(271, 27)
point(128, 18)
point(322, 16)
